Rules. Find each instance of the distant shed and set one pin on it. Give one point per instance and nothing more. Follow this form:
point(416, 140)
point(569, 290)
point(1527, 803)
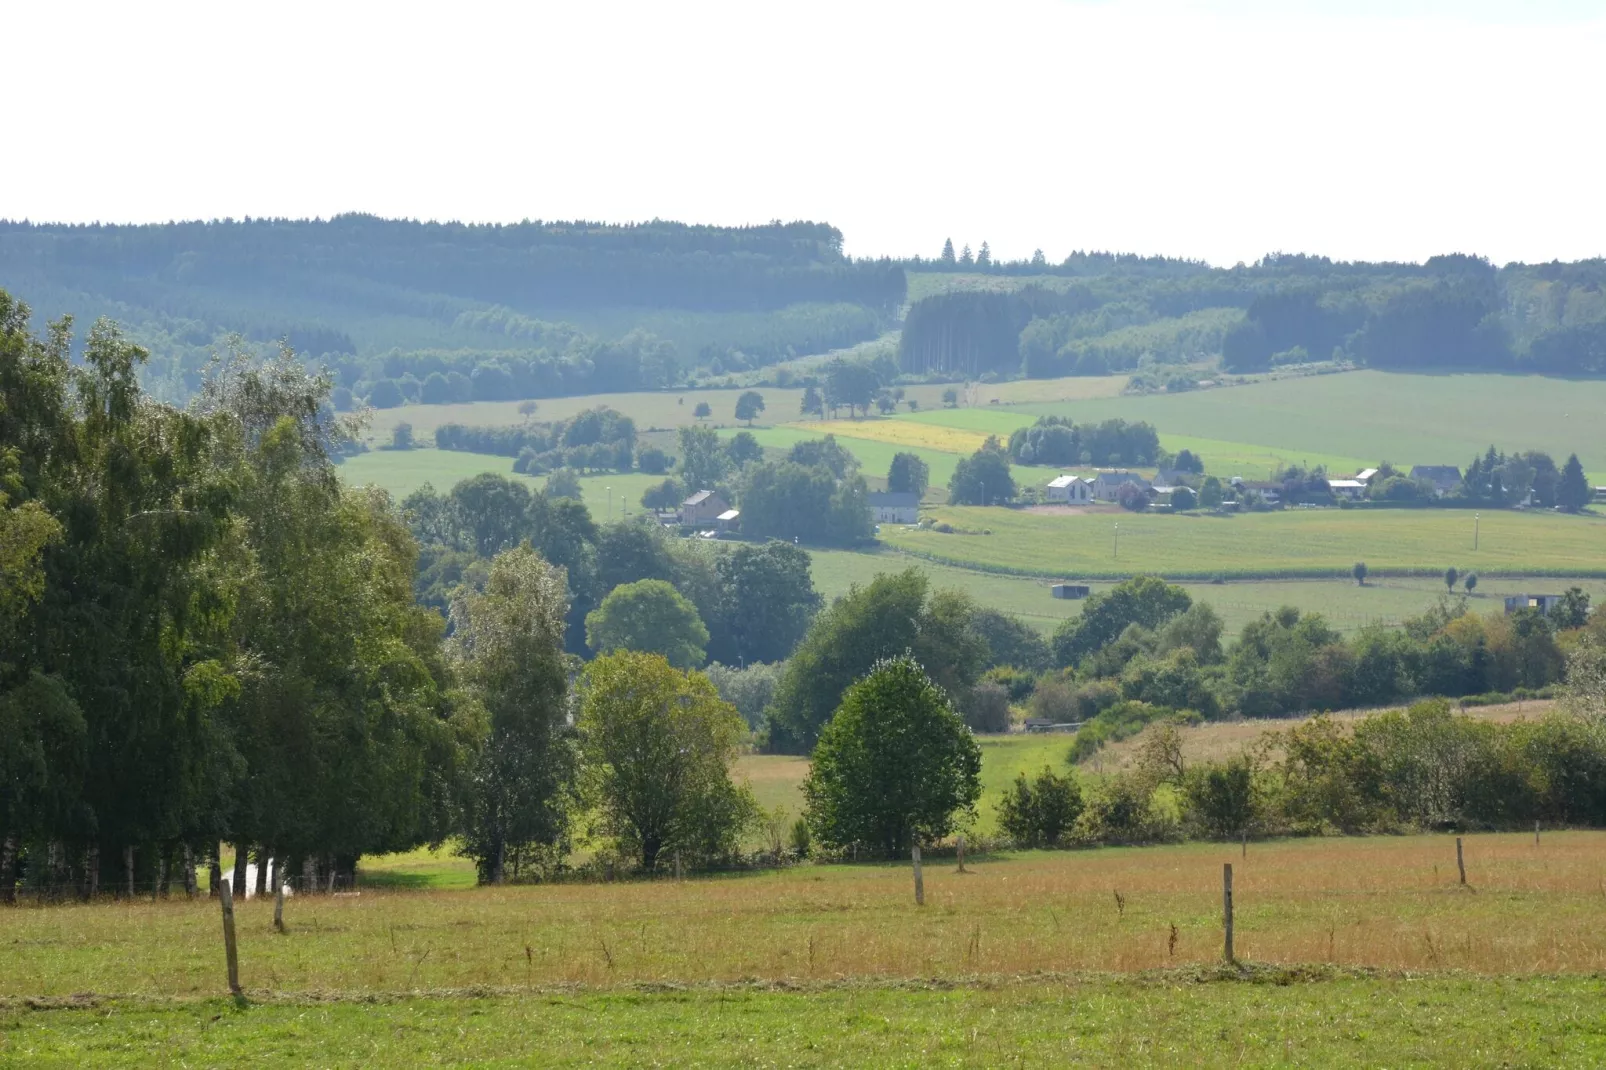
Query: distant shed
point(1071, 590)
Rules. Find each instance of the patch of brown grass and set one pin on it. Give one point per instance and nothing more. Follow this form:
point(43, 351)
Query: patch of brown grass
point(1389, 902)
point(1219, 740)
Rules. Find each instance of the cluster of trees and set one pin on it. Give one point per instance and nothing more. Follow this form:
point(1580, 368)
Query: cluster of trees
point(983, 478)
point(1531, 476)
point(750, 603)
point(207, 637)
point(463, 311)
point(1133, 314)
point(1146, 642)
point(1056, 441)
point(1425, 767)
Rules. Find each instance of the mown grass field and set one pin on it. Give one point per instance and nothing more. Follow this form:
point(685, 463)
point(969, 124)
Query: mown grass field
point(1295, 542)
point(1371, 416)
point(676, 408)
point(1178, 1018)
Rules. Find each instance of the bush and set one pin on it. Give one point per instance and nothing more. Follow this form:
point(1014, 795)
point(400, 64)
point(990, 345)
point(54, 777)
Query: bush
point(986, 708)
point(1121, 721)
point(1122, 811)
point(1042, 812)
point(1061, 701)
point(653, 461)
point(1221, 798)
point(1018, 682)
point(802, 838)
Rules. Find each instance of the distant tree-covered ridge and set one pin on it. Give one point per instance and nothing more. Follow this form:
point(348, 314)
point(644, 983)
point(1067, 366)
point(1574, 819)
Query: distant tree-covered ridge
point(354, 289)
point(1123, 313)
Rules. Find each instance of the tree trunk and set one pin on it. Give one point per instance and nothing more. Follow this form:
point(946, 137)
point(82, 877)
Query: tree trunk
point(241, 859)
point(498, 863)
point(8, 871)
point(128, 868)
point(189, 872)
point(91, 863)
point(309, 874)
point(159, 890)
point(215, 871)
point(262, 871)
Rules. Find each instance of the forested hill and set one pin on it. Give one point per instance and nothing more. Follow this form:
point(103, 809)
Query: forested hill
point(545, 303)
point(1096, 313)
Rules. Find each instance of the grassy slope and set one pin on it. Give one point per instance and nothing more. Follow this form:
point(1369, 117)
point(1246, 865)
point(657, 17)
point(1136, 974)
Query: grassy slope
point(1366, 415)
point(1306, 542)
point(1163, 1020)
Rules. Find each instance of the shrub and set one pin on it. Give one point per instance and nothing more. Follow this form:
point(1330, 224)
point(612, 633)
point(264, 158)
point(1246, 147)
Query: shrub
point(1122, 811)
point(653, 461)
point(1221, 798)
point(986, 707)
point(1121, 721)
point(1018, 682)
point(1040, 813)
point(802, 838)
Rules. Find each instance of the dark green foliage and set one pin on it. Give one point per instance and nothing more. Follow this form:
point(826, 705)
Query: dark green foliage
point(1056, 441)
point(653, 461)
point(893, 614)
point(1145, 600)
point(1040, 812)
point(985, 707)
point(743, 449)
point(790, 501)
point(982, 478)
point(663, 496)
point(1120, 721)
point(769, 600)
point(850, 383)
point(894, 766)
point(658, 746)
point(824, 452)
point(908, 474)
point(1183, 499)
point(749, 405)
point(1010, 642)
point(1572, 491)
point(1222, 797)
point(649, 616)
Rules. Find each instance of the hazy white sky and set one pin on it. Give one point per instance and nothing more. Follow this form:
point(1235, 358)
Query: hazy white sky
point(1377, 129)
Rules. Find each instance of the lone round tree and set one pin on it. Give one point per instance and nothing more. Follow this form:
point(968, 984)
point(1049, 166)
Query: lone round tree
point(894, 765)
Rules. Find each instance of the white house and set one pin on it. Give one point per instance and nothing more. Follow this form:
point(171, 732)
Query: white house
point(894, 507)
point(1069, 490)
point(1352, 489)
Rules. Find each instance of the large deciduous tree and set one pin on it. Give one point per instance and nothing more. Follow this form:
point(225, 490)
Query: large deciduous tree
point(894, 766)
point(649, 616)
point(507, 645)
point(659, 745)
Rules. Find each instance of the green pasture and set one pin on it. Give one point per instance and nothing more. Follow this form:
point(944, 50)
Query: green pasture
point(675, 408)
point(1368, 416)
point(1295, 542)
point(1175, 1018)
point(403, 471)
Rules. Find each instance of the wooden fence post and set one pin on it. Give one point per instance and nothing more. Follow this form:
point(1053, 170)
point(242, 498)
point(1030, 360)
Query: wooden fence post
point(230, 950)
point(962, 852)
point(1460, 863)
point(278, 895)
point(920, 884)
point(1226, 906)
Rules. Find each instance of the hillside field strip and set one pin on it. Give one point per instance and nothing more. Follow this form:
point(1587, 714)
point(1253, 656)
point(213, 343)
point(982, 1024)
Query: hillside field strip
point(1368, 416)
point(1360, 950)
point(1291, 543)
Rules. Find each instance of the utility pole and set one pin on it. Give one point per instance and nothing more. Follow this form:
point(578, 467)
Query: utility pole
point(610, 503)
point(1118, 541)
point(1475, 518)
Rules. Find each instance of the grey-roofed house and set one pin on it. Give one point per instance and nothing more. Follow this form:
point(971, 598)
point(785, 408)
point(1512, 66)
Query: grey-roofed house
point(894, 507)
point(702, 509)
point(1107, 485)
point(1069, 490)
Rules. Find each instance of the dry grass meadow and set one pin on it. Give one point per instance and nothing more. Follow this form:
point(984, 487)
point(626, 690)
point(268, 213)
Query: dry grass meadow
point(1387, 902)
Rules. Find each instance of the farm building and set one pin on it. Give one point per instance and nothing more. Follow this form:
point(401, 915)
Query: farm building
point(1069, 490)
point(1352, 489)
point(702, 508)
point(1544, 603)
point(1444, 477)
point(1071, 590)
point(728, 521)
point(1107, 485)
point(894, 507)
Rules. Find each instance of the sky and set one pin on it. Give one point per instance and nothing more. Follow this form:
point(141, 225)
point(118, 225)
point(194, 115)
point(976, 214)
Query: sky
point(1212, 129)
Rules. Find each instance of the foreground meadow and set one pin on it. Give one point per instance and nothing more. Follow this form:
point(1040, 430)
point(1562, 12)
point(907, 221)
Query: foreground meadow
point(1350, 950)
